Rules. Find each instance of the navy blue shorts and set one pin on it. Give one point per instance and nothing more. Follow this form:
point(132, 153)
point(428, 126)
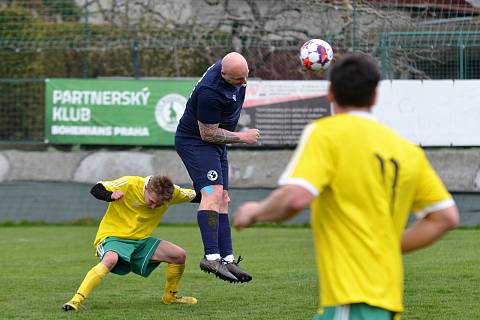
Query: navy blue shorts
point(206, 163)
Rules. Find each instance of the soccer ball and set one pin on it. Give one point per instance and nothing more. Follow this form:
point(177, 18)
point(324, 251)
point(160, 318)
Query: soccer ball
point(316, 54)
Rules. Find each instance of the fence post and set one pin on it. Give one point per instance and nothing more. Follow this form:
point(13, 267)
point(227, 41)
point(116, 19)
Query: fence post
point(354, 26)
point(461, 56)
point(136, 59)
point(85, 39)
point(383, 56)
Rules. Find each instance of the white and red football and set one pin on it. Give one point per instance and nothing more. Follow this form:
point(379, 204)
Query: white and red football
point(316, 54)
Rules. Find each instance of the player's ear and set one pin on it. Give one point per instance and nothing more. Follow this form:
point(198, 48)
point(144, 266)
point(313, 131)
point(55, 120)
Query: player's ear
point(330, 96)
point(374, 98)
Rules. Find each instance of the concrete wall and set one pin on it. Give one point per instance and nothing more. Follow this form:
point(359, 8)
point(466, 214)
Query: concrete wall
point(459, 168)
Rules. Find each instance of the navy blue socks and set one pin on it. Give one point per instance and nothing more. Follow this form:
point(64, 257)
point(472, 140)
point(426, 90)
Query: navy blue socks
point(224, 237)
point(208, 223)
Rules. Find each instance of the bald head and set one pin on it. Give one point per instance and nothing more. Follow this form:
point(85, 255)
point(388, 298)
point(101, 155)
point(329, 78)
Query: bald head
point(234, 69)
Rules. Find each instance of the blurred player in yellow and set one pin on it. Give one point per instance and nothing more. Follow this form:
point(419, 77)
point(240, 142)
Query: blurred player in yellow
point(123, 240)
point(362, 181)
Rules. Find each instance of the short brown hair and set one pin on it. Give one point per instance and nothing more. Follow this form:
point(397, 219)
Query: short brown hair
point(162, 186)
point(354, 80)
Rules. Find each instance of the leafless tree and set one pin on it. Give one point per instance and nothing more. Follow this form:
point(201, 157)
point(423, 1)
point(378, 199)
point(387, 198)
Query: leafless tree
point(179, 37)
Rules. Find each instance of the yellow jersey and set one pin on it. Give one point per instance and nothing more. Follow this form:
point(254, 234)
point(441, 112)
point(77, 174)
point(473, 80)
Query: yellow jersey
point(129, 217)
point(367, 180)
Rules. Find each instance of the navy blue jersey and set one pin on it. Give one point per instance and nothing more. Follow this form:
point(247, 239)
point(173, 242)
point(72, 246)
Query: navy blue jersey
point(213, 100)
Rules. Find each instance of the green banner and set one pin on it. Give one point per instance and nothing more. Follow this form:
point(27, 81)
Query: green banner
point(114, 112)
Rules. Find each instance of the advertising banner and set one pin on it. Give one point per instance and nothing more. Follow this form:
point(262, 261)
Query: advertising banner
point(281, 109)
point(146, 112)
point(114, 112)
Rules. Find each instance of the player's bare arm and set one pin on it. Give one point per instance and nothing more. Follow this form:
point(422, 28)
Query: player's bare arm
point(429, 229)
point(281, 205)
point(213, 134)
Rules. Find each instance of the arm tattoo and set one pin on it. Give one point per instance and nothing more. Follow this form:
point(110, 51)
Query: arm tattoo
point(213, 134)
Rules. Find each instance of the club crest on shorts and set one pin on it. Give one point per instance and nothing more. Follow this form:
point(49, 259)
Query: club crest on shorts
point(212, 175)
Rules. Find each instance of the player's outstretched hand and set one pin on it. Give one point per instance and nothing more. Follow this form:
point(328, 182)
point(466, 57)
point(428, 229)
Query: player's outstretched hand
point(117, 194)
point(244, 216)
point(251, 136)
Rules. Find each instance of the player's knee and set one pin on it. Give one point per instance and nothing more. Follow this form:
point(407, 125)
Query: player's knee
point(180, 256)
point(110, 259)
point(218, 199)
point(213, 199)
point(225, 198)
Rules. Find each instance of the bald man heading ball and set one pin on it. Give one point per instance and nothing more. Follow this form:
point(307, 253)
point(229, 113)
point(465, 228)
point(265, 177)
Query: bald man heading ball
point(206, 127)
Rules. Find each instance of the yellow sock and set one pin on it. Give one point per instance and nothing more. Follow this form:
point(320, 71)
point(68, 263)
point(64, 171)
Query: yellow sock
point(173, 275)
point(92, 279)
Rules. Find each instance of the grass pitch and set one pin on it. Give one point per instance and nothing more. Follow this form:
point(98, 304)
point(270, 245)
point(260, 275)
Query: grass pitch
point(42, 266)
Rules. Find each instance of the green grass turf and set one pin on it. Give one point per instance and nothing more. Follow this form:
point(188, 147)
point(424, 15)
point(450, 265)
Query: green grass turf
point(42, 266)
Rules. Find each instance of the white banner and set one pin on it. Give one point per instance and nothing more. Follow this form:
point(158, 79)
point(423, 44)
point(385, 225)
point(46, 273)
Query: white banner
point(432, 112)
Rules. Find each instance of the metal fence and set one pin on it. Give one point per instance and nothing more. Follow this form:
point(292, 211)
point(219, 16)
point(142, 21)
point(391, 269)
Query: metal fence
point(427, 55)
point(173, 38)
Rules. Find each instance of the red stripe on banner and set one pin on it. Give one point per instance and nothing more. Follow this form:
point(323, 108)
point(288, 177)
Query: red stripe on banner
point(248, 103)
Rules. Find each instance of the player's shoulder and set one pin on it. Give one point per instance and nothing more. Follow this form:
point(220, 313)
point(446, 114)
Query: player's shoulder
point(132, 180)
point(120, 182)
point(352, 125)
point(323, 126)
point(334, 121)
point(211, 77)
point(415, 150)
point(339, 120)
point(350, 122)
point(210, 89)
